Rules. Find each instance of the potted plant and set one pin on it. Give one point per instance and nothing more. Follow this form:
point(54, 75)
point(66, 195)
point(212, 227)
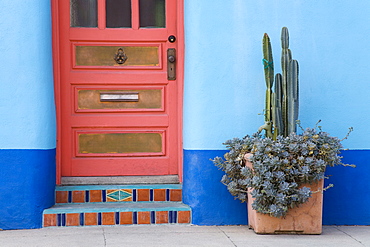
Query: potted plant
point(281, 173)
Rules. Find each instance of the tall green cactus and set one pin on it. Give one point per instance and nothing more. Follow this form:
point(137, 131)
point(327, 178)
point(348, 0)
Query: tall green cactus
point(281, 112)
point(269, 78)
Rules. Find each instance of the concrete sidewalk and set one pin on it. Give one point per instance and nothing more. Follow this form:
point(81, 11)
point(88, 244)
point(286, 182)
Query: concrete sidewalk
point(180, 235)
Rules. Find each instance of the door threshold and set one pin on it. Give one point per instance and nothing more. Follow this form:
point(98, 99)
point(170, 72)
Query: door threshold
point(167, 179)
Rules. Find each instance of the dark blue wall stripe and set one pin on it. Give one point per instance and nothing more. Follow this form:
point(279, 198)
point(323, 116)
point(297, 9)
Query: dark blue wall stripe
point(209, 199)
point(347, 203)
point(27, 187)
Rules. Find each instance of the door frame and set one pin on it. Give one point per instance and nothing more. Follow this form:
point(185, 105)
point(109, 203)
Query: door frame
point(179, 77)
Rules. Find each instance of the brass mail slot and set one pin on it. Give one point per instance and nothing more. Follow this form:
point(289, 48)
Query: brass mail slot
point(95, 99)
point(120, 97)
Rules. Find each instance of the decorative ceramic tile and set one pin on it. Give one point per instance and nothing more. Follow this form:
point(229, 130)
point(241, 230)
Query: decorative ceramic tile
point(116, 218)
point(159, 195)
point(176, 195)
point(143, 217)
point(108, 218)
point(78, 196)
point(104, 195)
point(50, 220)
point(61, 219)
point(99, 219)
point(134, 218)
point(95, 196)
point(73, 219)
point(143, 195)
point(134, 195)
point(184, 217)
point(119, 195)
point(151, 195)
point(126, 218)
point(161, 217)
point(152, 217)
point(167, 194)
point(91, 219)
point(61, 196)
point(172, 215)
point(82, 219)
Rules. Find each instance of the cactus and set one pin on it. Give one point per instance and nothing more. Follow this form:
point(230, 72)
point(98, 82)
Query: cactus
point(269, 78)
point(281, 112)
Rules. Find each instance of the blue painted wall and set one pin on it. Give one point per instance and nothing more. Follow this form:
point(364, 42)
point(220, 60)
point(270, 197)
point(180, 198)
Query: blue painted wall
point(347, 203)
point(27, 187)
point(27, 132)
point(209, 199)
point(225, 88)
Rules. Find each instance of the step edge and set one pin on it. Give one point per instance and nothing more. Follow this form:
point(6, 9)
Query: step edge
point(114, 187)
point(181, 207)
point(121, 180)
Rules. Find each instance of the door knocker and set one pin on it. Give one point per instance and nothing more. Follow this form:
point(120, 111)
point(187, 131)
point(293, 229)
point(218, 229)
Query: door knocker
point(120, 56)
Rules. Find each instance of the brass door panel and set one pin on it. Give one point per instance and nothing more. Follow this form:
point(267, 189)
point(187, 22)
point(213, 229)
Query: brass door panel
point(119, 143)
point(138, 56)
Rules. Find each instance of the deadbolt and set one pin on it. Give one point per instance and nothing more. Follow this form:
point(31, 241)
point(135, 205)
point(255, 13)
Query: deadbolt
point(172, 38)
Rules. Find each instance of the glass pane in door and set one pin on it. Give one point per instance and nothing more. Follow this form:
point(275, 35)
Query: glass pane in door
point(118, 13)
point(152, 13)
point(84, 13)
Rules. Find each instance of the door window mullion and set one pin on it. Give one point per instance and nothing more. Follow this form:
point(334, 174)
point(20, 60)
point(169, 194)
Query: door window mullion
point(135, 14)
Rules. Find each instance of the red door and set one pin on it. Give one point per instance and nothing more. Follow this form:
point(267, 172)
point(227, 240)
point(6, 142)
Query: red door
point(118, 66)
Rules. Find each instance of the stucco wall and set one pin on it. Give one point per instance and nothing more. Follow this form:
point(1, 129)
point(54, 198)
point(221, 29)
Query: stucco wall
point(225, 88)
point(27, 110)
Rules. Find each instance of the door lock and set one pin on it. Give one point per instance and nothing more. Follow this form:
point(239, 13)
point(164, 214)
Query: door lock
point(172, 38)
point(171, 64)
point(171, 59)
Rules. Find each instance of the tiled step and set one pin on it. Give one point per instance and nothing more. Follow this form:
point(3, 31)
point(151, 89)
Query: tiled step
point(95, 214)
point(94, 205)
point(118, 193)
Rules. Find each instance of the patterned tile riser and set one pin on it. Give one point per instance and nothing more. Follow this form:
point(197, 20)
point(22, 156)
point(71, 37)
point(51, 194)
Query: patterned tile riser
point(118, 195)
point(117, 218)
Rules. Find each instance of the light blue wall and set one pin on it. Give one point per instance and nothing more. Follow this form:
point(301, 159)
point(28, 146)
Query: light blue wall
point(224, 81)
point(27, 110)
point(26, 81)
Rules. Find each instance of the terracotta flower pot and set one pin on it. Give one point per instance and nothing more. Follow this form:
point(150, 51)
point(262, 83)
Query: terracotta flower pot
point(305, 219)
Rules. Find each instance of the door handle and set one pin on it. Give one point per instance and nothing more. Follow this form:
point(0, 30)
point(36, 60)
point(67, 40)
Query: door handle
point(171, 64)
